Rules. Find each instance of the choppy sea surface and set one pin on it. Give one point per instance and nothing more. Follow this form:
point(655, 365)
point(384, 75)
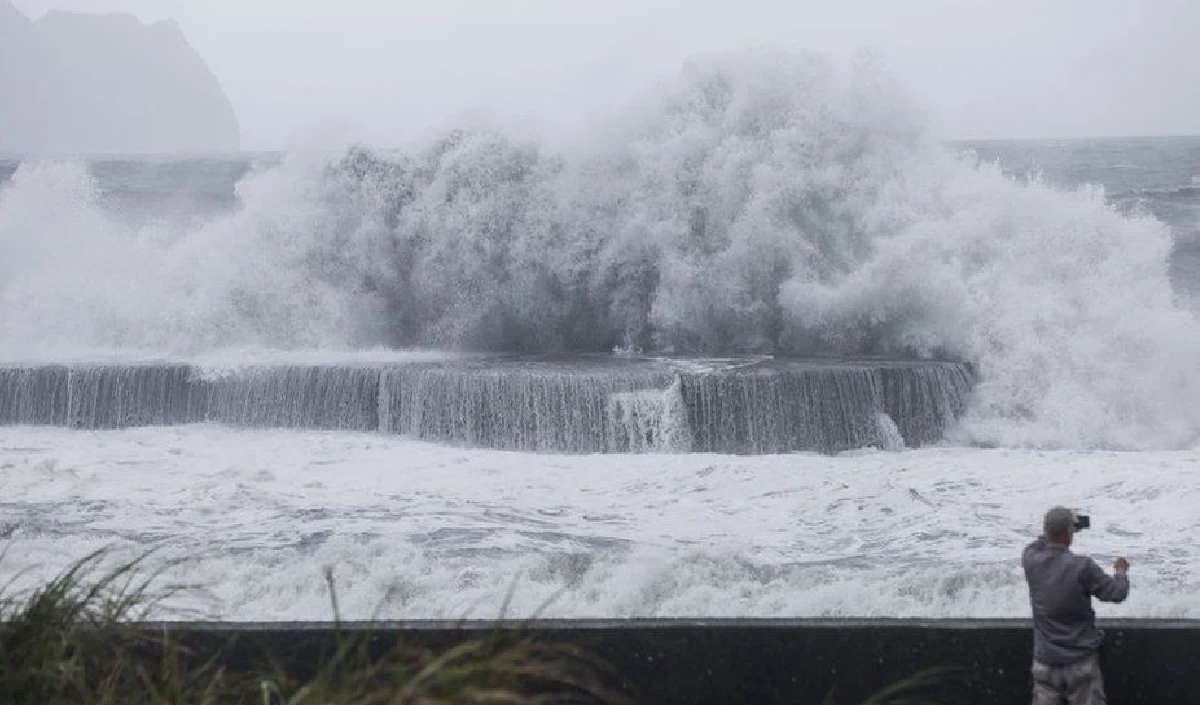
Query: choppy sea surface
point(415, 530)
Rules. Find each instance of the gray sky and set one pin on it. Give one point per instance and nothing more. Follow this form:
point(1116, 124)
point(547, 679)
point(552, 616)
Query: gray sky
point(390, 70)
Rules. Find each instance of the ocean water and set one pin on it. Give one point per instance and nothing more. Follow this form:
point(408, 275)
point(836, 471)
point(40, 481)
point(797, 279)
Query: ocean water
point(765, 207)
point(1159, 176)
point(416, 530)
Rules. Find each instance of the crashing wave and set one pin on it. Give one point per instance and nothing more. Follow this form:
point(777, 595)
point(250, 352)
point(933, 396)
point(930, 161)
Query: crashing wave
point(768, 203)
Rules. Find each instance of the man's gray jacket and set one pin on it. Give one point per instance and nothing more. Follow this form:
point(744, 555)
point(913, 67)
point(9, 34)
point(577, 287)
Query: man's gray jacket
point(1061, 588)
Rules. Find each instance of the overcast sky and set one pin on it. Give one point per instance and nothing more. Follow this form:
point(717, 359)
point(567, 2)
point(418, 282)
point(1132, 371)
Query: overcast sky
point(387, 71)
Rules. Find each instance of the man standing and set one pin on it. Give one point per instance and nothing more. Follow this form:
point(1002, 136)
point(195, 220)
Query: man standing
point(1066, 665)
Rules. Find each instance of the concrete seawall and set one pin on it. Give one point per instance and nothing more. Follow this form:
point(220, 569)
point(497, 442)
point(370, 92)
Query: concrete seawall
point(581, 404)
point(764, 662)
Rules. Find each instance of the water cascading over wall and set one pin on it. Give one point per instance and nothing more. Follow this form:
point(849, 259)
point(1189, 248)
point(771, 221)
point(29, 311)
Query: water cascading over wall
point(327, 397)
point(573, 406)
point(124, 396)
point(535, 407)
point(826, 406)
point(99, 396)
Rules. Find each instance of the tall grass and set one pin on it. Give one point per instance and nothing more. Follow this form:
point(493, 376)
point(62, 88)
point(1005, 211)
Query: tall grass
point(80, 640)
point(75, 640)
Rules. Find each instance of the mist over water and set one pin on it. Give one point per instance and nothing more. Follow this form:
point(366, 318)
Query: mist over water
point(765, 203)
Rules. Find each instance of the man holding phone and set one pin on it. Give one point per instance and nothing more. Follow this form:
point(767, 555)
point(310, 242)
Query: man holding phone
point(1066, 663)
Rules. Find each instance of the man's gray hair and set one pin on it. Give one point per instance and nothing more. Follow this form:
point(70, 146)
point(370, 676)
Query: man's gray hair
point(1059, 521)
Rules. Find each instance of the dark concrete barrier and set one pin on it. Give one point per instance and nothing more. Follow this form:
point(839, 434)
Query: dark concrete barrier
point(761, 662)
